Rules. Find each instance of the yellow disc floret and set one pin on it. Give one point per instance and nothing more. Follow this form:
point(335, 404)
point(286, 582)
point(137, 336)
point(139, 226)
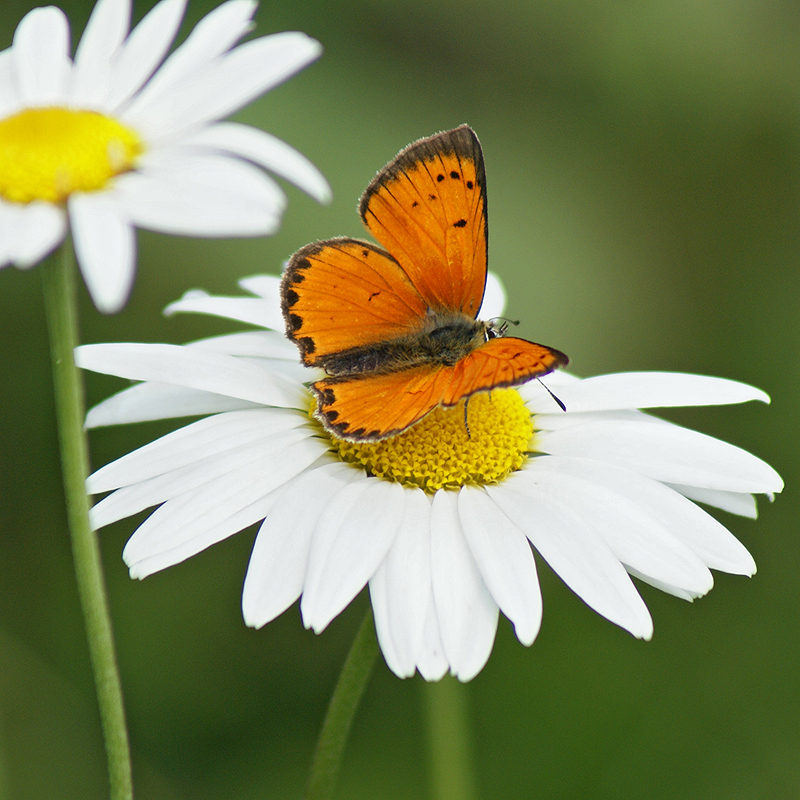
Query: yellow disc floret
point(48, 153)
point(447, 449)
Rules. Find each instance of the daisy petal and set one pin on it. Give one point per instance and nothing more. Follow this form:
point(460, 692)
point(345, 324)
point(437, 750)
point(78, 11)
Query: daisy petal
point(266, 151)
point(206, 471)
point(193, 521)
point(253, 310)
point(219, 30)
point(733, 502)
point(651, 390)
point(401, 588)
point(504, 559)
point(466, 612)
point(104, 34)
point(152, 400)
point(665, 452)
point(342, 559)
point(627, 513)
point(565, 536)
point(29, 233)
point(280, 555)
point(201, 196)
point(224, 85)
point(9, 98)
point(105, 246)
point(431, 662)
point(41, 56)
point(183, 366)
point(144, 50)
point(266, 286)
point(206, 438)
point(494, 298)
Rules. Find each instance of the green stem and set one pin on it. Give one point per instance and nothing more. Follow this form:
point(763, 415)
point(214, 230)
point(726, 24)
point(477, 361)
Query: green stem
point(61, 308)
point(344, 702)
point(448, 722)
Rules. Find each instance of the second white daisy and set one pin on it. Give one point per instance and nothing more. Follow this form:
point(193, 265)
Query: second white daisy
point(115, 139)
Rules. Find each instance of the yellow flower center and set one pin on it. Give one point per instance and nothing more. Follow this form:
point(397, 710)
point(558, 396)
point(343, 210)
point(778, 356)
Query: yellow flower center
point(48, 153)
point(439, 452)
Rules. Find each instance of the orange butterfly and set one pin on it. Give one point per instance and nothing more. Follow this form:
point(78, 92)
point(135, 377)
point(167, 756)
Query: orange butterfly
point(396, 330)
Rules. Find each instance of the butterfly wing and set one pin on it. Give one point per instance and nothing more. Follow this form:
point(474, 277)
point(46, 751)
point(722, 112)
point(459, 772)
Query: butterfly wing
point(428, 209)
point(342, 294)
point(372, 407)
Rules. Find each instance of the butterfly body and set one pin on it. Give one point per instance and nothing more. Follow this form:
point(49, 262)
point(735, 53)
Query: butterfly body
point(395, 330)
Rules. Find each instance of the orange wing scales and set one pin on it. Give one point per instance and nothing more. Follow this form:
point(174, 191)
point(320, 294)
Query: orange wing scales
point(345, 293)
point(374, 407)
point(395, 329)
point(428, 208)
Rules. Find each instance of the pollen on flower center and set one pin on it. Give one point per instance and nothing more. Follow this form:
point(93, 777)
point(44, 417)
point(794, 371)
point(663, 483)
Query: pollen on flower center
point(48, 153)
point(439, 452)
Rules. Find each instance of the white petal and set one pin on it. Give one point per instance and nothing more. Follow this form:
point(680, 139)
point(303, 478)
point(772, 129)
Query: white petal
point(638, 518)
point(188, 524)
point(254, 310)
point(400, 589)
point(266, 151)
point(705, 536)
point(266, 286)
point(29, 233)
point(494, 298)
point(650, 390)
point(213, 35)
point(351, 539)
point(260, 454)
point(733, 502)
point(466, 612)
point(254, 344)
point(504, 559)
point(144, 50)
point(431, 662)
point(201, 196)
point(563, 533)
point(104, 33)
point(105, 246)
point(665, 452)
point(206, 438)
point(152, 400)
point(9, 97)
point(40, 55)
point(224, 85)
point(280, 555)
point(196, 369)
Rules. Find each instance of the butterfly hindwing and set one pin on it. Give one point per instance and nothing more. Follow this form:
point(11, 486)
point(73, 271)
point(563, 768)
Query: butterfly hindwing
point(344, 293)
point(373, 407)
point(500, 362)
point(428, 209)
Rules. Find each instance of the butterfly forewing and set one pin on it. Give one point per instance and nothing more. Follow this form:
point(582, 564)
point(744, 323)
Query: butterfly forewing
point(428, 209)
point(344, 293)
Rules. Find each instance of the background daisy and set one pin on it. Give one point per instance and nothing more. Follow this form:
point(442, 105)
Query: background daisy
point(124, 136)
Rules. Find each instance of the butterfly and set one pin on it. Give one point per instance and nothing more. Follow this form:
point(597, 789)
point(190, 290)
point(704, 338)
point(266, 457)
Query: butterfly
point(395, 328)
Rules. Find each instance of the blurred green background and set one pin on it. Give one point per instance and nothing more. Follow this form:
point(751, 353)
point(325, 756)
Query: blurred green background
point(644, 187)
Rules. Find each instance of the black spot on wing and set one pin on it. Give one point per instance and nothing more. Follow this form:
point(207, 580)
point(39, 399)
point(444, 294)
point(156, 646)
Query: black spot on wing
point(460, 223)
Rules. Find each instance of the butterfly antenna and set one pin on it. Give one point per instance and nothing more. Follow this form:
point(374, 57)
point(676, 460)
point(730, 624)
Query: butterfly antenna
point(466, 422)
point(560, 403)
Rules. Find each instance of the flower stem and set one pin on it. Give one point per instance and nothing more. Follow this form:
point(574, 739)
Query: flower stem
point(448, 723)
point(61, 310)
point(344, 702)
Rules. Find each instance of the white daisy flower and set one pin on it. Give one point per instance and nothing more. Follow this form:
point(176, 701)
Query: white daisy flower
point(121, 137)
point(441, 526)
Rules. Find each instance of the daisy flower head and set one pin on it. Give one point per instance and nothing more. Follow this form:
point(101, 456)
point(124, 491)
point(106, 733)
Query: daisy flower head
point(442, 525)
point(123, 136)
